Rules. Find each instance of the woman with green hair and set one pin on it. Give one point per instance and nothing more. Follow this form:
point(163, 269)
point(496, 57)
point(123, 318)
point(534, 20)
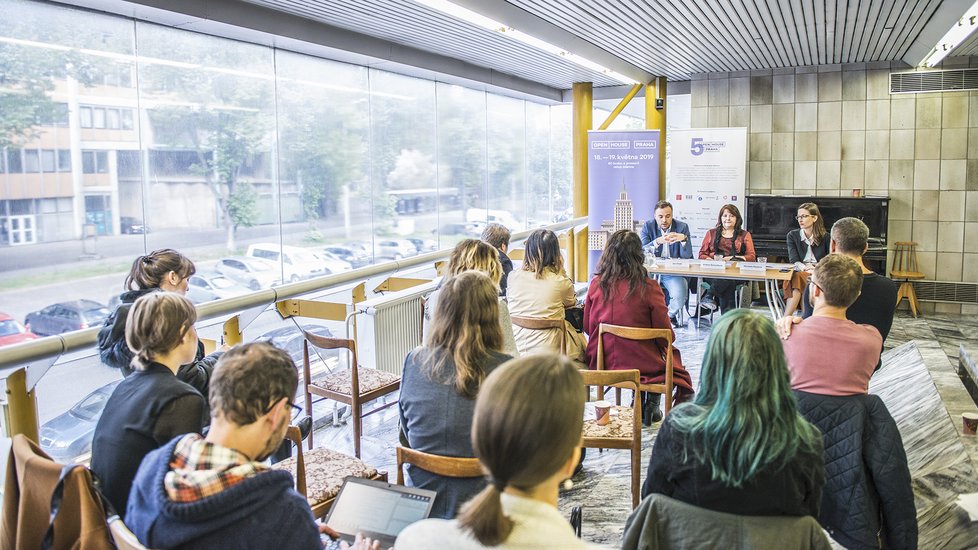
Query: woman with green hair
point(740, 446)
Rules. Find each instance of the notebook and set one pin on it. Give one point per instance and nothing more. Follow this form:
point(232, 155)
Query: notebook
point(377, 509)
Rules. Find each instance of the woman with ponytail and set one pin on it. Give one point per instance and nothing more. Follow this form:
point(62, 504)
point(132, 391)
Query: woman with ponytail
point(152, 406)
point(166, 270)
point(527, 446)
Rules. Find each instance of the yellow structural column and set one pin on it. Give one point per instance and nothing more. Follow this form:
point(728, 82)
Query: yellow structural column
point(21, 407)
point(583, 115)
point(655, 119)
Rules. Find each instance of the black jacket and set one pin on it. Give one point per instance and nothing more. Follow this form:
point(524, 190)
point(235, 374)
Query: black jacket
point(114, 351)
point(797, 247)
point(507, 267)
point(867, 488)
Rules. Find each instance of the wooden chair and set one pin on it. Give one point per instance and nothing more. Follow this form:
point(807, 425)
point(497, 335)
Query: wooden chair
point(624, 430)
point(517, 254)
point(540, 323)
point(353, 386)
point(319, 473)
point(636, 333)
point(445, 466)
point(905, 269)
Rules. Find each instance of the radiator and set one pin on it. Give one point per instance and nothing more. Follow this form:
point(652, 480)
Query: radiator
point(389, 327)
point(945, 291)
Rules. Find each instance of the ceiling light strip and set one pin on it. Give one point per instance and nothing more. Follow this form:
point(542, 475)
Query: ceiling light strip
point(953, 38)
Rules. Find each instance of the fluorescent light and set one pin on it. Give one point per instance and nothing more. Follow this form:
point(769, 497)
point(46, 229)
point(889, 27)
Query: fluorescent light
point(954, 37)
point(465, 14)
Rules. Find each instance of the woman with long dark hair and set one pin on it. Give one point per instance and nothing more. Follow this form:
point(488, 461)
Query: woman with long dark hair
point(621, 293)
point(441, 379)
point(541, 289)
point(806, 246)
point(160, 270)
point(727, 241)
point(528, 444)
point(740, 446)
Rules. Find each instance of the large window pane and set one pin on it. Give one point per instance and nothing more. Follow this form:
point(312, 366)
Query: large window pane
point(462, 182)
point(507, 150)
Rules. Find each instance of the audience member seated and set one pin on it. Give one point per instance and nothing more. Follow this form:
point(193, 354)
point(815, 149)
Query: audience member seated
point(727, 241)
point(666, 237)
point(216, 492)
point(166, 270)
point(827, 353)
point(876, 303)
point(740, 446)
point(442, 378)
point(806, 246)
point(497, 235)
point(868, 500)
point(528, 444)
point(152, 405)
point(542, 289)
point(474, 255)
point(621, 293)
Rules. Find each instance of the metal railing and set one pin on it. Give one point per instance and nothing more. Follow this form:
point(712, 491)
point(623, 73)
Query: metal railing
point(23, 365)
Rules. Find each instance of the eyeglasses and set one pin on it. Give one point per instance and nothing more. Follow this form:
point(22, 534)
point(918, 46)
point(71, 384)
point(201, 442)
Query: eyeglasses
point(804, 217)
point(296, 410)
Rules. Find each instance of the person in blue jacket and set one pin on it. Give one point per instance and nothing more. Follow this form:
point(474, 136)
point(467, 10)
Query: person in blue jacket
point(669, 238)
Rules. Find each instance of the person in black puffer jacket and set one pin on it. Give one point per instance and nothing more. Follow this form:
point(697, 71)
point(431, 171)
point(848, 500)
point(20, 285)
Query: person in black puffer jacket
point(167, 270)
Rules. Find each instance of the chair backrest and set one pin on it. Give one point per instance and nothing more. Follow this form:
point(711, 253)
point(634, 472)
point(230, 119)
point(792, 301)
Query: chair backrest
point(634, 333)
point(445, 466)
point(540, 323)
point(904, 259)
point(323, 342)
point(517, 254)
point(625, 379)
point(294, 435)
point(122, 536)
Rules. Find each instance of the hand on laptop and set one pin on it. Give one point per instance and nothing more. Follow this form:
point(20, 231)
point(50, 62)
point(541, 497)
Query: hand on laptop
point(360, 543)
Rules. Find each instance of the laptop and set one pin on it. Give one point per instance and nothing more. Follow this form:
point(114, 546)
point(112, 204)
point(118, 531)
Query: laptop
point(377, 509)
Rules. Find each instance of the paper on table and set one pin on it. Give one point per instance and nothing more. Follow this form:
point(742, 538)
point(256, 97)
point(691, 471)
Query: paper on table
point(969, 501)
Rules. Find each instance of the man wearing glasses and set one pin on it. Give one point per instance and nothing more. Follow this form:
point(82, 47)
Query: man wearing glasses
point(834, 286)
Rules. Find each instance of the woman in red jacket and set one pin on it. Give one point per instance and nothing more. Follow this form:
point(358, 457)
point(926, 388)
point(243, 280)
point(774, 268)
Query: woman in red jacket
point(727, 241)
point(621, 293)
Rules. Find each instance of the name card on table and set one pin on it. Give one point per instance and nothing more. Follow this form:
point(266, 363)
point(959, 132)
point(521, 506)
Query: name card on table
point(675, 264)
point(753, 267)
point(715, 265)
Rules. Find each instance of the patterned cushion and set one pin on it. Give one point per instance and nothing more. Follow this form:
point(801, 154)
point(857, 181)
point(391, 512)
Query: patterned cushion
point(620, 425)
point(325, 470)
point(340, 381)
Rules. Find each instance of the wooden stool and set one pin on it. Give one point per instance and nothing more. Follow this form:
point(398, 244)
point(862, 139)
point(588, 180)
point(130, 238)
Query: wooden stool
point(905, 269)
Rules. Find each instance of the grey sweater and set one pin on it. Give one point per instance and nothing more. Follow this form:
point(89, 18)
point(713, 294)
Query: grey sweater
point(436, 419)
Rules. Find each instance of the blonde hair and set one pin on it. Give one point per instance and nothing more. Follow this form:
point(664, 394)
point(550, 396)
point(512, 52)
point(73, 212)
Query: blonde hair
point(156, 324)
point(466, 327)
point(520, 438)
point(473, 254)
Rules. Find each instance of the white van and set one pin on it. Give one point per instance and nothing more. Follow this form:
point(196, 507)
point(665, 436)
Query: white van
point(297, 263)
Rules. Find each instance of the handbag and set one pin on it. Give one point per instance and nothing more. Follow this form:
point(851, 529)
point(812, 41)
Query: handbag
point(575, 316)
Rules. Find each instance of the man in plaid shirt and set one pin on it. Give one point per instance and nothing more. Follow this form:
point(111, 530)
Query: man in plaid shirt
point(217, 492)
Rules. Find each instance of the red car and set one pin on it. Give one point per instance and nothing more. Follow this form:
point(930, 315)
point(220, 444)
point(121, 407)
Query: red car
point(12, 332)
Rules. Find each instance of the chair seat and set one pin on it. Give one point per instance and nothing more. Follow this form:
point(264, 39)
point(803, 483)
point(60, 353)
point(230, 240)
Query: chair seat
point(906, 275)
point(619, 426)
point(325, 471)
point(341, 381)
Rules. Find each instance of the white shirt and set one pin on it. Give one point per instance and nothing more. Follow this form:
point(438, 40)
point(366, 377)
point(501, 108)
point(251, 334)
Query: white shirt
point(810, 255)
point(537, 525)
point(665, 246)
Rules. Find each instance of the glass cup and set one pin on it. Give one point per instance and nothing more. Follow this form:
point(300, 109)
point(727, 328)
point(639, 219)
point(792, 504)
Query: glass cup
point(762, 260)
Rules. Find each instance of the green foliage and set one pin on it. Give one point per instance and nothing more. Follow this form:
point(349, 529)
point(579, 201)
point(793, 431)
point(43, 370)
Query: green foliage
point(242, 205)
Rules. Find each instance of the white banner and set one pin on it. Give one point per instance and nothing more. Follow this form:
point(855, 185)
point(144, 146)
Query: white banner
point(708, 168)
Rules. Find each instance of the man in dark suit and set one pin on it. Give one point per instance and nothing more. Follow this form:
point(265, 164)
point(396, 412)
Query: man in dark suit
point(669, 238)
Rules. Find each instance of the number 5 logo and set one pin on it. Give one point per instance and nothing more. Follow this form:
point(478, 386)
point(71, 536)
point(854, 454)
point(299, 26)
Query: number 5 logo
point(696, 147)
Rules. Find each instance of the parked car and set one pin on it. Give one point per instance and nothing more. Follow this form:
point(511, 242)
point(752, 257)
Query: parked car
point(132, 226)
point(355, 256)
point(66, 317)
point(333, 263)
point(12, 332)
point(253, 273)
point(208, 286)
point(460, 228)
point(297, 263)
point(395, 249)
point(67, 438)
point(424, 245)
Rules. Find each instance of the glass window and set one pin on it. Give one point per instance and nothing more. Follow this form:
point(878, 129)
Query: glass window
point(102, 162)
point(461, 162)
point(32, 162)
point(98, 117)
point(507, 157)
point(64, 160)
point(88, 162)
point(14, 163)
point(85, 117)
point(47, 160)
point(112, 119)
point(127, 121)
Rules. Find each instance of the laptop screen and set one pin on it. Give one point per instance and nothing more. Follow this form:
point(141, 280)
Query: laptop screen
point(378, 509)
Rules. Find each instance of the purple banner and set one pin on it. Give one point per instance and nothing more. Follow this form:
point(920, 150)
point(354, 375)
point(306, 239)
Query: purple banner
point(623, 184)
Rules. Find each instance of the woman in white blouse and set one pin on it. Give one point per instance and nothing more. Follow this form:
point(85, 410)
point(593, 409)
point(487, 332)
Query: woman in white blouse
point(528, 446)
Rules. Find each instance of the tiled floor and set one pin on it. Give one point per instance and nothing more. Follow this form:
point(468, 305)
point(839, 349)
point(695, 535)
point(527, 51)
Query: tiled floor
point(603, 488)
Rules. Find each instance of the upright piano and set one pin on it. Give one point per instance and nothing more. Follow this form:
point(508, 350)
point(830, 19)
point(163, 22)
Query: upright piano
point(770, 217)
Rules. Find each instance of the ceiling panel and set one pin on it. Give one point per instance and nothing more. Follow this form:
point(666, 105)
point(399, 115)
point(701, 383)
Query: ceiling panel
point(412, 24)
